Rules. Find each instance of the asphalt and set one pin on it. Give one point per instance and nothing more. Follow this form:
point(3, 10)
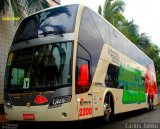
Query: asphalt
point(2, 118)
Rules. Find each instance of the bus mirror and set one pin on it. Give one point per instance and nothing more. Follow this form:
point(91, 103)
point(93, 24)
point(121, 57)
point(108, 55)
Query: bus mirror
point(83, 77)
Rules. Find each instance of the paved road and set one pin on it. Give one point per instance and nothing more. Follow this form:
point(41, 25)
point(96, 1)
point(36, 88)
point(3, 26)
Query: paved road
point(137, 119)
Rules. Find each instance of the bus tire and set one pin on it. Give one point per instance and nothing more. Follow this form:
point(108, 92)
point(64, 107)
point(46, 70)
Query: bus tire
point(108, 108)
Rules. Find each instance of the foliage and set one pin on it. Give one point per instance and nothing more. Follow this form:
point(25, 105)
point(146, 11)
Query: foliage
point(4, 4)
point(23, 8)
point(113, 12)
point(129, 29)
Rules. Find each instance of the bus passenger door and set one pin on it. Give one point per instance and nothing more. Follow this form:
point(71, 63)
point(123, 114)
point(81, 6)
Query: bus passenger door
point(83, 89)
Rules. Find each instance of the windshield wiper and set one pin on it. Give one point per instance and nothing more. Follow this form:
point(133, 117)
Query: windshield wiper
point(52, 32)
point(56, 30)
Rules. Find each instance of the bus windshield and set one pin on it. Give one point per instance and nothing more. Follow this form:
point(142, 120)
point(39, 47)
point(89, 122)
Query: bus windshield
point(45, 66)
point(57, 20)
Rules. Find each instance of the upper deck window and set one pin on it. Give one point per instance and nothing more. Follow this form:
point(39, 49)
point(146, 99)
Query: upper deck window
point(53, 21)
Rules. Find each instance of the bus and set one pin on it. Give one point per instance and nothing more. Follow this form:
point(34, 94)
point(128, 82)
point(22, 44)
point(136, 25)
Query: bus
point(68, 63)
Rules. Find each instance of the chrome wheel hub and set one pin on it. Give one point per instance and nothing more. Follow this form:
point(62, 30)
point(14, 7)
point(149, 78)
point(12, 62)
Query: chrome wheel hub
point(107, 110)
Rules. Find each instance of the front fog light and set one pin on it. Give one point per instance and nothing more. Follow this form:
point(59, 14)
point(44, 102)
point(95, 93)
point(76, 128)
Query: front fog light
point(57, 102)
point(64, 114)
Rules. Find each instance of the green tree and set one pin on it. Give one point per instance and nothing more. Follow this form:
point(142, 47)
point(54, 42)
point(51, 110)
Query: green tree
point(3, 6)
point(130, 30)
point(113, 12)
point(23, 8)
point(143, 40)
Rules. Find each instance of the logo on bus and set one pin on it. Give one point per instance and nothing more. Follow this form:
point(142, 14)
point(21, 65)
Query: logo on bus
point(114, 55)
point(40, 99)
point(84, 103)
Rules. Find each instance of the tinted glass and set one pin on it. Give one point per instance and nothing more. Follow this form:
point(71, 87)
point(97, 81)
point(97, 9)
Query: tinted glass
point(90, 37)
point(45, 66)
point(53, 21)
point(111, 79)
point(83, 57)
point(102, 27)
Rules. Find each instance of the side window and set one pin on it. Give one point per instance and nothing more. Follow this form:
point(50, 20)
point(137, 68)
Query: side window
point(81, 61)
point(83, 71)
point(111, 78)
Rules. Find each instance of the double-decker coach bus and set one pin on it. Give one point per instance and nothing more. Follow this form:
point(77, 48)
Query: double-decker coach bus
point(68, 63)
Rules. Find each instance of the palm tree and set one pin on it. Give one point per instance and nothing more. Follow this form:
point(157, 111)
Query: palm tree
point(23, 8)
point(113, 10)
point(143, 40)
point(4, 6)
point(130, 30)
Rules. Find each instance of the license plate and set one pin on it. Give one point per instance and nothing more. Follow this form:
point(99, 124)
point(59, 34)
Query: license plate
point(28, 116)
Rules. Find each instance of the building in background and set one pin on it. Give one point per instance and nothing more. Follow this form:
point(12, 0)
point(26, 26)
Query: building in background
point(7, 30)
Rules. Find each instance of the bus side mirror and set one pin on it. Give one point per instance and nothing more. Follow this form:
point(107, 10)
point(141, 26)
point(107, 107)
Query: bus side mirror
point(83, 77)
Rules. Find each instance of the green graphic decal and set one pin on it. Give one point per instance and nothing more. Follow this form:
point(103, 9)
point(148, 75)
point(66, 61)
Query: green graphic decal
point(131, 80)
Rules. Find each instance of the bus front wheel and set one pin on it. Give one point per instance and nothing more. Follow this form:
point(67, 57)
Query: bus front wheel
point(108, 108)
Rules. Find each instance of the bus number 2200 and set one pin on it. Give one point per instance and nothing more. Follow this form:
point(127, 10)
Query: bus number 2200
point(85, 111)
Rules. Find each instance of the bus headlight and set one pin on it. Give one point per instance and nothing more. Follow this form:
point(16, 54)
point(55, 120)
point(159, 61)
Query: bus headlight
point(8, 104)
point(57, 102)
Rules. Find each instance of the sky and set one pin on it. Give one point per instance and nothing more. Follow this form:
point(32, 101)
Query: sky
point(145, 14)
